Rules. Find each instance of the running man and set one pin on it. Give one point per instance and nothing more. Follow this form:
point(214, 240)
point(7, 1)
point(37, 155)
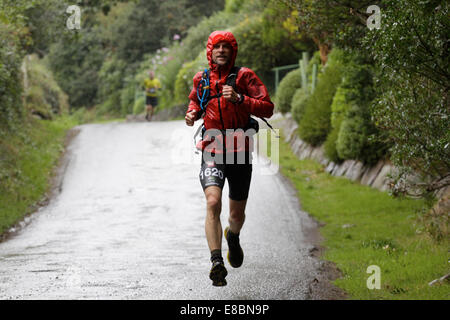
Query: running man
point(229, 108)
point(151, 85)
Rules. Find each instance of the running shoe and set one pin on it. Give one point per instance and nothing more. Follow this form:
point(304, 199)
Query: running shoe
point(235, 254)
point(218, 273)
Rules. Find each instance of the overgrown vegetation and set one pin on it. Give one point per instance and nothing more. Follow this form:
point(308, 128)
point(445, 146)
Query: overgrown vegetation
point(413, 106)
point(103, 58)
point(354, 221)
point(315, 124)
point(286, 90)
point(29, 148)
point(11, 53)
point(43, 97)
point(26, 166)
point(396, 81)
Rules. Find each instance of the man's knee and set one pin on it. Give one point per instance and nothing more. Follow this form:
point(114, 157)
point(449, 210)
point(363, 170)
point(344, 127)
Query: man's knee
point(237, 210)
point(213, 201)
point(237, 215)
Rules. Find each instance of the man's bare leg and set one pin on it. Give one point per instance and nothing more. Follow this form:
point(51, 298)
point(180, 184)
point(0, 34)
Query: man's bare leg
point(236, 221)
point(213, 227)
point(149, 111)
point(237, 215)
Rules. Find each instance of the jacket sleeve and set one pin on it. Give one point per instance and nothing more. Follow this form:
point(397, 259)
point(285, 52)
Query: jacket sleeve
point(256, 97)
point(194, 103)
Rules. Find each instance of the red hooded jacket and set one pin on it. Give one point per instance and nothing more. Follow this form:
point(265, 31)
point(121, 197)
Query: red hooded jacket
point(223, 114)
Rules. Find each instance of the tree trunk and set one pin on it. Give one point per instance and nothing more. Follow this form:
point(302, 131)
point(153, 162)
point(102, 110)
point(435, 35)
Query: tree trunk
point(324, 49)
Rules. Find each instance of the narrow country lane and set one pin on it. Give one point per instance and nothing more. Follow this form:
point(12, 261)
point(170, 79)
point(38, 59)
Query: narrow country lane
point(129, 224)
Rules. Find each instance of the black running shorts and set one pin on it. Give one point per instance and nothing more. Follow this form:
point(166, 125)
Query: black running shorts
point(151, 100)
point(238, 176)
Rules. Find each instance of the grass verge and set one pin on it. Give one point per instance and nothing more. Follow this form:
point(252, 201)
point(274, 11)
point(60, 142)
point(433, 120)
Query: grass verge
point(27, 159)
point(364, 227)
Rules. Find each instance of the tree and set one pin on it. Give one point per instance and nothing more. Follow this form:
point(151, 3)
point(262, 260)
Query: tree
point(412, 52)
point(325, 21)
point(153, 23)
point(75, 63)
point(13, 38)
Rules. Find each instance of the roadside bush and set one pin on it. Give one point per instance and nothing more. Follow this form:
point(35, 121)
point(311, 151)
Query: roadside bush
point(315, 60)
point(339, 108)
point(36, 103)
point(109, 107)
point(10, 81)
point(286, 90)
point(110, 83)
point(316, 121)
point(358, 137)
point(183, 83)
point(111, 79)
point(302, 95)
point(167, 74)
point(139, 105)
point(299, 102)
point(78, 115)
point(352, 136)
point(127, 96)
point(182, 88)
point(43, 96)
point(330, 145)
point(83, 115)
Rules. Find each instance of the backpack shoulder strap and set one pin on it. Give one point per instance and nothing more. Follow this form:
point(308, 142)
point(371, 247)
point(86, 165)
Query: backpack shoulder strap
point(231, 79)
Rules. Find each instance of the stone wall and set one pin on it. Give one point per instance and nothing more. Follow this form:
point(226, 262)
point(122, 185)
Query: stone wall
point(375, 176)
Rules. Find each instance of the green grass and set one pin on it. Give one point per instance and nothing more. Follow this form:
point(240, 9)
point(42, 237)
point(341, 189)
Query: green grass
point(384, 231)
point(26, 162)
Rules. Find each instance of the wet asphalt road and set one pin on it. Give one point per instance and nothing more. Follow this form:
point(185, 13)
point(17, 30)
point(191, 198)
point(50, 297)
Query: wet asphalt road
point(128, 223)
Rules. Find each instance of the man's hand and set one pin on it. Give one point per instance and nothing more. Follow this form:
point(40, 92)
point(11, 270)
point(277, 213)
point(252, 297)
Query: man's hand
point(190, 117)
point(229, 94)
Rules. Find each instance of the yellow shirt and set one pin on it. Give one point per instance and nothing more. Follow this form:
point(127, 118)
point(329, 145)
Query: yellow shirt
point(151, 86)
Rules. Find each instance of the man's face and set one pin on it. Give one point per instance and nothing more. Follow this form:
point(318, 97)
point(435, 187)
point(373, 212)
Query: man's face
point(221, 53)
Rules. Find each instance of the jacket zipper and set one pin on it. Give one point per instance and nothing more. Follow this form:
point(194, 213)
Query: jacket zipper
point(218, 101)
point(220, 113)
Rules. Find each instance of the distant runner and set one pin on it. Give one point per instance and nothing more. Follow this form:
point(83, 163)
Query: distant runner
point(226, 107)
point(151, 85)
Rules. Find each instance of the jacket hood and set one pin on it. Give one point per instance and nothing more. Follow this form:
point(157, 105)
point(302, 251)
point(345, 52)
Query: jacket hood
point(219, 36)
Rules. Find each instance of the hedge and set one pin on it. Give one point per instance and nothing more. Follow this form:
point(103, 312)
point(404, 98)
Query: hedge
point(286, 90)
point(315, 123)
